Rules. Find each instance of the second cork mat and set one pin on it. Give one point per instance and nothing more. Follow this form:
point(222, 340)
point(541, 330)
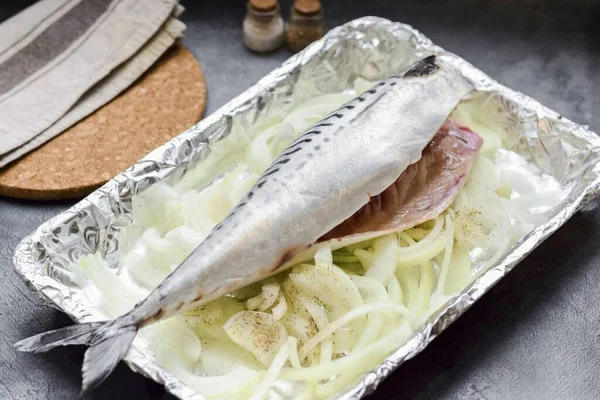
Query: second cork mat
point(166, 100)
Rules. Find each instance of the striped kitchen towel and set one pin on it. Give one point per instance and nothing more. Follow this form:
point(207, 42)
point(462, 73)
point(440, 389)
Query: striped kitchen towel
point(60, 60)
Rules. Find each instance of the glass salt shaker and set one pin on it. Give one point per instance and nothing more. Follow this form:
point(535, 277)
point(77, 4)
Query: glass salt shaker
point(263, 26)
point(306, 25)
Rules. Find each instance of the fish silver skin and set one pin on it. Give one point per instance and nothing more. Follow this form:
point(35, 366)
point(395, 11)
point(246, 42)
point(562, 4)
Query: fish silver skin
point(323, 177)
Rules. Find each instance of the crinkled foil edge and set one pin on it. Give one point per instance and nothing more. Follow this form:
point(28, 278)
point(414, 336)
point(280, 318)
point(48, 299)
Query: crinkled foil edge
point(32, 262)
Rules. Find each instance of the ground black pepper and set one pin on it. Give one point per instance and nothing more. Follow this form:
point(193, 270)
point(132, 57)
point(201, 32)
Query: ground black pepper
point(306, 25)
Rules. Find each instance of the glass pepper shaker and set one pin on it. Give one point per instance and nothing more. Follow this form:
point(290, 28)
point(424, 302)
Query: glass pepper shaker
point(263, 26)
point(306, 25)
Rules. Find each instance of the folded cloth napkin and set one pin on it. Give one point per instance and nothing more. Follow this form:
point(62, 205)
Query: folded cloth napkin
point(60, 60)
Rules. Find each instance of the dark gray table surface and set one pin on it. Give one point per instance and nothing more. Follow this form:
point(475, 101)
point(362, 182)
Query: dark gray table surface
point(535, 335)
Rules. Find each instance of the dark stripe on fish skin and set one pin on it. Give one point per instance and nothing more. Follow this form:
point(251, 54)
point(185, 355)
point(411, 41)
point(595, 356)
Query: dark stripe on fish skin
point(315, 132)
point(337, 115)
point(322, 124)
point(269, 173)
point(307, 140)
point(282, 161)
point(426, 66)
point(287, 153)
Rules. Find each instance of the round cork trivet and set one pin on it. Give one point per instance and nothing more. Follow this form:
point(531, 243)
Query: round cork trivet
point(166, 100)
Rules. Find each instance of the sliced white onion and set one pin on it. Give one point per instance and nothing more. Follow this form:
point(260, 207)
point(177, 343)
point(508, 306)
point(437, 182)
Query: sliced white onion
point(116, 296)
point(361, 360)
point(293, 352)
point(281, 308)
point(350, 316)
point(371, 289)
point(447, 255)
point(299, 327)
point(384, 262)
point(395, 290)
point(274, 369)
point(257, 332)
point(426, 286)
point(222, 356)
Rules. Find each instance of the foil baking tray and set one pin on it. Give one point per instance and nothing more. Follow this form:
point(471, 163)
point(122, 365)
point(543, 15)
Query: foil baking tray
point(369, 47)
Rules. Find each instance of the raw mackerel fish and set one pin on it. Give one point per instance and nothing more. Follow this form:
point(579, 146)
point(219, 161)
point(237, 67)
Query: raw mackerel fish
point(321, 180)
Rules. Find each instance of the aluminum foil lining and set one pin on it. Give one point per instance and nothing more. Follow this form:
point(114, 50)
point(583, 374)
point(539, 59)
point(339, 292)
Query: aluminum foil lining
point(369, 47)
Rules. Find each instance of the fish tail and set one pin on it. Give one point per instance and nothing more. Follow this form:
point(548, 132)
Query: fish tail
point(108, 341)
point(102, 357)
